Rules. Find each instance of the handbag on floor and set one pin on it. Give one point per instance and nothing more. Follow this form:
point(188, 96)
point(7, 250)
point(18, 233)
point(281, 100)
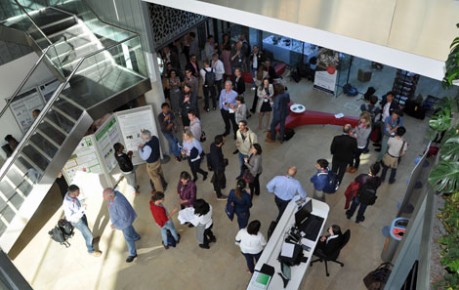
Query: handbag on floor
point(376, 280)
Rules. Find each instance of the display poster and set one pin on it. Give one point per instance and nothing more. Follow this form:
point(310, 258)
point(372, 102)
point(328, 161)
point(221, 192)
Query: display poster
point(84, 158)
point(131, 122)
point(327, 70)
point(23, 105)
point(106, 136)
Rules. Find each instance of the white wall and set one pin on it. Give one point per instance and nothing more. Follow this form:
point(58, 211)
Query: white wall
point(11, 76)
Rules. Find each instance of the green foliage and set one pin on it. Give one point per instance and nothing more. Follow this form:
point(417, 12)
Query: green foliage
point(452, 64)
point(444, 177)
point(450, 148)
point(441, 121)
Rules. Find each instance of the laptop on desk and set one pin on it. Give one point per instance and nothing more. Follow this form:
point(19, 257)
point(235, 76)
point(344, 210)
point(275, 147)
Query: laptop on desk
point(308, 223)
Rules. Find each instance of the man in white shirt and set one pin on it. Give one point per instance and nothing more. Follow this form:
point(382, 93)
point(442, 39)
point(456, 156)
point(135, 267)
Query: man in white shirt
point(75, 213)
point(219, 70)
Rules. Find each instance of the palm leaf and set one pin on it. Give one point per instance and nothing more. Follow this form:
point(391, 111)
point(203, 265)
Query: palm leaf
point(450, 149)
point(444, 177)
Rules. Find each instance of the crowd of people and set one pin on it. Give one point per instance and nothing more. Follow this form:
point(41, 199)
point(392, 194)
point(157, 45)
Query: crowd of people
point(223, 85)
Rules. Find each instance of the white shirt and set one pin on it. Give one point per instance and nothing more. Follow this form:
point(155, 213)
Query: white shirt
point(386, 111)
point(395, 146)
point(203, 219)
point(219, 69)
point(250, 244)
point(72, 208)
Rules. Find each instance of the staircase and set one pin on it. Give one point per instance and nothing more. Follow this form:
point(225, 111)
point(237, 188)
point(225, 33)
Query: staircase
point(100, 68)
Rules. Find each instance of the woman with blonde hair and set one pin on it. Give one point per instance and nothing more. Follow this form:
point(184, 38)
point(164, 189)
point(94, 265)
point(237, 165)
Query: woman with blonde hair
point(264, 108)
point(192, 149)
point(361, 133)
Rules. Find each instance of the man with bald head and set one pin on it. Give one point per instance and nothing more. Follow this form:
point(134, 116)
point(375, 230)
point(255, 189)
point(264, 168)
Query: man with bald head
point(286, 188)
point(343, 149)
point(122, 215)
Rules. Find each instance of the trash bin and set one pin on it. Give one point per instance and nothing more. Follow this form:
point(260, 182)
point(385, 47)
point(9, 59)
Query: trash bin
point(396, 232)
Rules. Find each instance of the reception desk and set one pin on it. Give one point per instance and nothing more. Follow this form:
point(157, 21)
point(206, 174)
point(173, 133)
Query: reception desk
point(288, 50)
point(271, 252)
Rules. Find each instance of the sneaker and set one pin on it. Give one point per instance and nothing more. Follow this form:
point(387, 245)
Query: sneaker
point(165, 246)
point(203, 246)
point(222, 197)
point(130, 259)
point(96, 253)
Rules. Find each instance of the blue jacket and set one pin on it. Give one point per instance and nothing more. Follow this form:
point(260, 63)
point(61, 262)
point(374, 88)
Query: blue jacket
point(320, 179)
point(121, 212)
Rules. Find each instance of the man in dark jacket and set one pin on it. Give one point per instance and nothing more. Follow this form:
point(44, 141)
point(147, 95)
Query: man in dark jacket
point(218, 164)
point(343, 149)
point(125, 163)
point(280, 112)
point(168, 126)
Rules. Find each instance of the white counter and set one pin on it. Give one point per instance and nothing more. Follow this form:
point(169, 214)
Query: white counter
point(282, 50)
point(273, 247)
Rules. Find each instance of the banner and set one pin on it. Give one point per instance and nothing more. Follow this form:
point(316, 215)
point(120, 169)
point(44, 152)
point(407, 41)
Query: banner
point(327, 70)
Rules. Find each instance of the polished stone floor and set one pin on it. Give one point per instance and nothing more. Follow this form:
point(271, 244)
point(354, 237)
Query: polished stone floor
point(50, 266)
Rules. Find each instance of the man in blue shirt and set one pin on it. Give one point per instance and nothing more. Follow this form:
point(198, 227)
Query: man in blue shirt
point(150, 152)
point(122, 215)
point(227, 105)
point(286, 188)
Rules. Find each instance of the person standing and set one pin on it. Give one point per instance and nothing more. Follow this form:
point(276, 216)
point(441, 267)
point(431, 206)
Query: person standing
point(209, 48)
point(193, 150)
point(320, 179)
point(186, 105)
point(280, 113)
point(227, 104)
point(218, 164)
point(125, 163)
point(343, 148)
point(361, 133)
point(245, 138)
point(256, 59)
point(75, 213)
point(219, 69)
point(388, 106)
point(396, 148)
point(122, 215)
point(150, 152)
point(192, 81)
point(186, 190)
point(366, 195)
point(168, 126)
point(162, 218)
point(253, 163)
point(173, 84)
point(195, 125)
point(251, 241)
point(391, 124)
point(285, 189)
point(208, 86)
point(241, 201)
point(265, 93)
point(203, 222)
point(241, 109)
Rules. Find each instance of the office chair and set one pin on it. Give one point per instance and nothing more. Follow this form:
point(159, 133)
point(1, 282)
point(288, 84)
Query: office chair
point(322, 257)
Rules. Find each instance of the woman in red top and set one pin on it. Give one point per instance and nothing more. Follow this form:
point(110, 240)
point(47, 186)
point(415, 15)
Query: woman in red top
point(162, 218)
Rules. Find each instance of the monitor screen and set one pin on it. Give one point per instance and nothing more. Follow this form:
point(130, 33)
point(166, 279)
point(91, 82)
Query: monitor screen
point(303, 213)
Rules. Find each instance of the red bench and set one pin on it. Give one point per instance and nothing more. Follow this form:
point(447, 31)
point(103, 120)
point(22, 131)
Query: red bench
point(309, 117)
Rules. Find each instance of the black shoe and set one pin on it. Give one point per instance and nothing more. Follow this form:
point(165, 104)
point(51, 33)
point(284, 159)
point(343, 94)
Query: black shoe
point(252, 111)
point(348, 215)
point(205, 176)
point(359, 220)
point(391, 181)
point(213, 240)
point(195, 179)
point(225, 134)
point(204, 246)
point(178, 158)
point(249, 115)
point(378, 149)
point(236, 151)
point(165, 246)
point(130, 259)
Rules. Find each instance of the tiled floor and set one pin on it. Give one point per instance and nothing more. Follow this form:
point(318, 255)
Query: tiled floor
point(49, 266)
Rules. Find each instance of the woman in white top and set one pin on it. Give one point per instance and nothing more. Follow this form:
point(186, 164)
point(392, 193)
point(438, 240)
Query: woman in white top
point(203, 222)
point(396, 148)
point(264, 108)
point(192, 149)
point(361, 133)
point(251, 242)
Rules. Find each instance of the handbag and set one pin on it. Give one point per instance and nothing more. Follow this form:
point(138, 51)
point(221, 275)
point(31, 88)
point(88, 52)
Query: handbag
point(376, 280)
point(229, 210)
point(247, 176)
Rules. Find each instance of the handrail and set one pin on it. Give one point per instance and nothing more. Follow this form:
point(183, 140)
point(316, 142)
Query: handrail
point(34, 24)
point(4, 169)
point(23, 82)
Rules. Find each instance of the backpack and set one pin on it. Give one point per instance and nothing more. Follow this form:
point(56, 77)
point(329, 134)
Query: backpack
point(210, 77)
point(62, 232)
point(367, 193)
point(332, 183)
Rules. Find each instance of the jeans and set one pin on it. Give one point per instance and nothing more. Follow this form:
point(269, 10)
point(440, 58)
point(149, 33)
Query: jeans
point(242, 219)
point(274, 123)
point(173, 144)
point(82, 226)
point(360, 214)
point(130, 236)
point(250, 260)
point(281, 206)
point(393, 172)
point(169, 225)
point(241, 163)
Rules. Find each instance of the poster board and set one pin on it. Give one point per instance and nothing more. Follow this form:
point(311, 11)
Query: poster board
point(85, 158)
point(106, 136)
point(23, 105)
point(131, 122)
point(326, 72)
